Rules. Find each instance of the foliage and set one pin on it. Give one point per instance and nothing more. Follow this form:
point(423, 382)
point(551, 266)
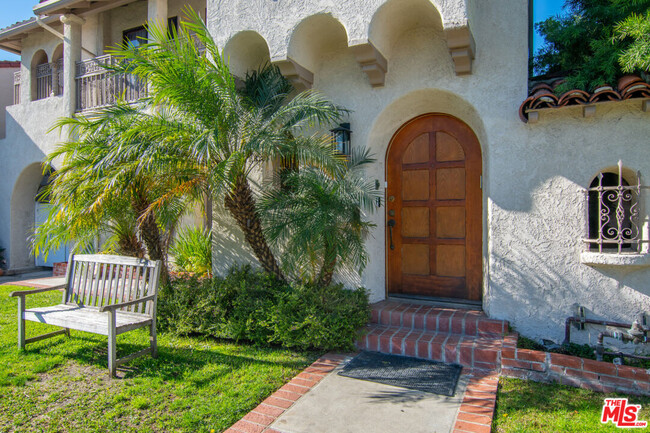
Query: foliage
point(208, 134)
point(637, 55)
point(580, 350)
point(3, 261)
point(530, 407)
point(195, 385)
point(317, 219)
point(192, 250)
point(98, 189)
point(581, 45)
point(255, 306)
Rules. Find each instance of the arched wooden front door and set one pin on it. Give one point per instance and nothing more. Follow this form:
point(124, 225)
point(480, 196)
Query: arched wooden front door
point(433, 209)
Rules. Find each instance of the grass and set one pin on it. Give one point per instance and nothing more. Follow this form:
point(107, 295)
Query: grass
point(531, 407)
point(195, 385)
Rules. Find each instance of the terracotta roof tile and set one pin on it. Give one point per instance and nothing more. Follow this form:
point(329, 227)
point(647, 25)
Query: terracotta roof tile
point(542, 96)
point(9, 64)
point(18, 24)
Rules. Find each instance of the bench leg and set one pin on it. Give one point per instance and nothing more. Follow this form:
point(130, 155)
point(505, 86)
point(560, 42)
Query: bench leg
point(112, 344)
point(21, 322)
point(153, 341)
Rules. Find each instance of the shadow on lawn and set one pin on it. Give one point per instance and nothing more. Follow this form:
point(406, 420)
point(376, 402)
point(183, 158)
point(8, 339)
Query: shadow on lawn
point(172, 364)
point(523, 395)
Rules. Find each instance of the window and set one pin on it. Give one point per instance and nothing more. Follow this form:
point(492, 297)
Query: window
point(139, 35)
point(613, 206)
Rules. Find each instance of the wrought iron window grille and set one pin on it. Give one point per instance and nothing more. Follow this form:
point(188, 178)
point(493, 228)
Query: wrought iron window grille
point(613, 209)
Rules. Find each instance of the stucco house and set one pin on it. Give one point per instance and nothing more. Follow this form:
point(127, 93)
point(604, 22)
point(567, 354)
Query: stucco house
point(496, 196)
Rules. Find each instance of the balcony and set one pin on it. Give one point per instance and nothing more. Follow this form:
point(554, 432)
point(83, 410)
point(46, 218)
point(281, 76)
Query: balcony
point(98, 86)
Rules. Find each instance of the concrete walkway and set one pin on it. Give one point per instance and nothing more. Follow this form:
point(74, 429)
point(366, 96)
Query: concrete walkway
point(318, 400)
point(345, 405)
point(38, 280)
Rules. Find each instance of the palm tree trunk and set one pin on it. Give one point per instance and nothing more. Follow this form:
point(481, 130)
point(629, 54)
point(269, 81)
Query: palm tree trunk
point(150, 232)
point(241, 205)
point(327, 270)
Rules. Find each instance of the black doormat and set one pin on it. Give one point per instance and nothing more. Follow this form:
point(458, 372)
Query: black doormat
point(412, 373)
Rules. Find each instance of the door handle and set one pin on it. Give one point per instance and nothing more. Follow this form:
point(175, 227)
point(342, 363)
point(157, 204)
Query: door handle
point(391, 224)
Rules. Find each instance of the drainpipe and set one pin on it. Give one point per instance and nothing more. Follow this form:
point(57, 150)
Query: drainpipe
point(59, 35)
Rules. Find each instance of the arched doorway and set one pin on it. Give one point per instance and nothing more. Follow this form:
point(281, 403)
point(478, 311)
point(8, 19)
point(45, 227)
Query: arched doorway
point(434, 210)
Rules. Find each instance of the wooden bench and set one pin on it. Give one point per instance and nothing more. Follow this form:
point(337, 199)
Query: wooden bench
point(106, 295)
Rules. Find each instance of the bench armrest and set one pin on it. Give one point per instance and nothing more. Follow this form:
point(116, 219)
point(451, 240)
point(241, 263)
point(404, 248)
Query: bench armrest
point(33, 291)
point(114, 307)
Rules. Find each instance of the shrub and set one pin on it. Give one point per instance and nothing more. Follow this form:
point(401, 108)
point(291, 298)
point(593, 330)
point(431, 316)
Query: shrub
point(192, 251)
point(254, 306)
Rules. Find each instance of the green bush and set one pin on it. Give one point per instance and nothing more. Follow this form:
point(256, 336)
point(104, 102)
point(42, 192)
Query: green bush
point(254, 306)
point(192, 251)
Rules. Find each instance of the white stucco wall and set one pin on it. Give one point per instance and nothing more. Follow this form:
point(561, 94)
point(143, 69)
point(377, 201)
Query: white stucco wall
point(534, 220)
point(6, 94)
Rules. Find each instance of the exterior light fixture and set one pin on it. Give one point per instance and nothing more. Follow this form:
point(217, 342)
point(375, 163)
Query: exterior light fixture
point(341, 135)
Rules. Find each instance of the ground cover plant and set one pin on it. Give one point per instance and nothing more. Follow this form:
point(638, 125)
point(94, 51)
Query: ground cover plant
point(253, 306)
point(531, 407)
point(579, 350)
point(197, 384)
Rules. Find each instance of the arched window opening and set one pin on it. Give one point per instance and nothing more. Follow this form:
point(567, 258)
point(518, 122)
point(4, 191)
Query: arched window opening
point(613, 206)
point(41, 76)
point(57, 70)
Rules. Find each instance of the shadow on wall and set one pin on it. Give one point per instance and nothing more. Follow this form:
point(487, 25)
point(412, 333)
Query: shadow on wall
point(526, 288)
point(229, 248)
point(21, 164)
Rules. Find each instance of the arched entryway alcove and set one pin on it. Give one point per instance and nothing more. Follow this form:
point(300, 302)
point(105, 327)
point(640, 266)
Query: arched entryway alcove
point(23, 215)
point(434, 209)
point(246, 51)
point(383, 130)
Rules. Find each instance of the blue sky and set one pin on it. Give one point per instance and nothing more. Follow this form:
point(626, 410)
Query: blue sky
point(17, 10)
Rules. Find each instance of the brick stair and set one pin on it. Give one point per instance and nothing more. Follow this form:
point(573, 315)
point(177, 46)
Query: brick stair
point(465, 337)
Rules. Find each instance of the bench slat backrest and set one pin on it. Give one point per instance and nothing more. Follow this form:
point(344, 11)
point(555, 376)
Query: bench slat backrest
point(95, 280)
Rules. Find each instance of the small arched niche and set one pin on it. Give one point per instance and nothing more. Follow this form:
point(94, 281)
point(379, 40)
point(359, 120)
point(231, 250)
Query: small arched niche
point(395, 17)
point(315, 37)
point(57, 70)
point(41, 76)
point(246, 51)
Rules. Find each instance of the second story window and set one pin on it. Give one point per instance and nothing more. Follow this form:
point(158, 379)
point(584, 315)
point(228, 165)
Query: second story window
point(613, 206)
point(139, 35)
point(41, 76)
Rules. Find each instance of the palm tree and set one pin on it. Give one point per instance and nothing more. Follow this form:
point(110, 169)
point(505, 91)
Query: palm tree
point(317, 219)
point(95, 193)
point(201, 128)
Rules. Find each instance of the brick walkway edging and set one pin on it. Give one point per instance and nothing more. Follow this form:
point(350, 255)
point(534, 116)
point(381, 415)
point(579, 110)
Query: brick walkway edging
point(259, 419)
point(474, 415)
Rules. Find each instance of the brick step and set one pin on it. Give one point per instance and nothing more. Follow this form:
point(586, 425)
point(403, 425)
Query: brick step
point(412, 315)
point(482, 352)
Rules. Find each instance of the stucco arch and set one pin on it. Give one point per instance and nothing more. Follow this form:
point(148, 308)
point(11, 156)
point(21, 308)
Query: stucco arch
point(419, 102)
point(245, 51)
point(23, 214)
point(315, 36)
point(39, 58)
point(395, 17)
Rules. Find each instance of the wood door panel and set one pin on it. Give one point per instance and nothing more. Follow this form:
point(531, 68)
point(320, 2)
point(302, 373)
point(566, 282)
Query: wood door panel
point(433, 169)
point(448, 148)
point(415, 222)
point(450, 183)
point(415, 259)
point(415, 185)
point(450, 222)
point(450, 260)
point(417, 151)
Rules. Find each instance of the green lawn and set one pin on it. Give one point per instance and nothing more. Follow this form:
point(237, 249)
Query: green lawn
point(195, 385)
point(530, 407)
